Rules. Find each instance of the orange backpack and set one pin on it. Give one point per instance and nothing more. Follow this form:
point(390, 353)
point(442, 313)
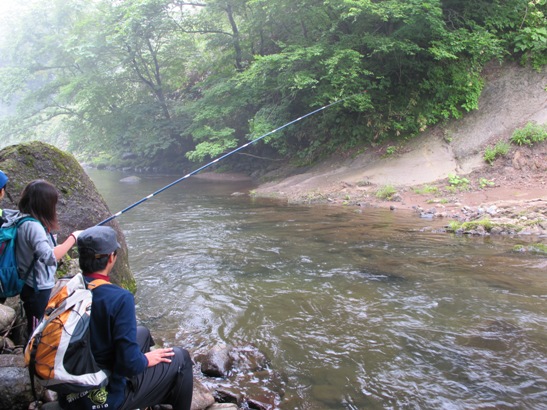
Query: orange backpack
point(59, 350)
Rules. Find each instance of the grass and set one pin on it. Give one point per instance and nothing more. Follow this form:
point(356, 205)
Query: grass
point(499, 150)
point(438, 201)
point(486, 223)
point(426, 189)
point(386, 192)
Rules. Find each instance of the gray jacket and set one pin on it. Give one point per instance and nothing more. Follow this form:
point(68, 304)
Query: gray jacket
point(33, 243)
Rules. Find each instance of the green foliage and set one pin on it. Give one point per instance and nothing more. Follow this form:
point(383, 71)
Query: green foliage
point(531, 134)
point(391, 150)
point(214, 143)
point(165, 80)
point(531, 38)
point(386, 192)
point(499, 150)
point(456, 181)
point(483, 183)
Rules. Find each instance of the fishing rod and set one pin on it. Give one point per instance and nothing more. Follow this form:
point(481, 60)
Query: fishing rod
point(221, 158)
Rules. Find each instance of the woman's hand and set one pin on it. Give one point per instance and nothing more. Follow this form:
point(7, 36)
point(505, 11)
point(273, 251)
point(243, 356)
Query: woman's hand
point(75, 234)
point(158, 356)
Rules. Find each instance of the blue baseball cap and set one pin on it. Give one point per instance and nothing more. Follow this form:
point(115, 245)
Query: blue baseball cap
point(100, 240)
point(3, 180)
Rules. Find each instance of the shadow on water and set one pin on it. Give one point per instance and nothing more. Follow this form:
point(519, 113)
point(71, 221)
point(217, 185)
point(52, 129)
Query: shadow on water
point(356, 309)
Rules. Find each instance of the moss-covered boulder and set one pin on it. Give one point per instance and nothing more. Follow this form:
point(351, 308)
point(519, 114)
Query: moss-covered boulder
point(80, 204)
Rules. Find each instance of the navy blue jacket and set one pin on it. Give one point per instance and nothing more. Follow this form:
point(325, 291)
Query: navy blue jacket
point(113, 330)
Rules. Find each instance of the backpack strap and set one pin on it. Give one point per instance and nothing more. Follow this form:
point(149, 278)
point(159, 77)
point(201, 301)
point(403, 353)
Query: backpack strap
point(94, 284)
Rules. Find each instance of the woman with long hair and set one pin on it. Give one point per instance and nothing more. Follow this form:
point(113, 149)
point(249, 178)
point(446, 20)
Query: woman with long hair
point(36, 248)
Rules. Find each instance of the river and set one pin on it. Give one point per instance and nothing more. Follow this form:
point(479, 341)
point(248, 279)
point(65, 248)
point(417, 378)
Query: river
point(356, 308)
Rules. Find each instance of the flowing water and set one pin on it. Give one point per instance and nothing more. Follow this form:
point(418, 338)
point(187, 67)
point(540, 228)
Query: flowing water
point(355, 308)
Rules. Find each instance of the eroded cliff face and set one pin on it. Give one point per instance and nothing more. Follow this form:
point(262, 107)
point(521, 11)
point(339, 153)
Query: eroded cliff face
point(80, 204)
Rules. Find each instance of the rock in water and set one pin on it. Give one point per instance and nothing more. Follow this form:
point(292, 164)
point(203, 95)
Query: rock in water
point(131, 180)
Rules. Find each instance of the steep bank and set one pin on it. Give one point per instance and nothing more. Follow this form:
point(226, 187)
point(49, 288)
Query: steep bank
point(418, 170)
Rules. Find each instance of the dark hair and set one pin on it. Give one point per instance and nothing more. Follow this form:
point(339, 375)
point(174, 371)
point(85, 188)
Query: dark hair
point(39, 199)
point(90, 263)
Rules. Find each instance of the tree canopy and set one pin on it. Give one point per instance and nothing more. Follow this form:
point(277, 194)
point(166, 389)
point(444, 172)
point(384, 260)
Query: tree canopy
point(167, 80)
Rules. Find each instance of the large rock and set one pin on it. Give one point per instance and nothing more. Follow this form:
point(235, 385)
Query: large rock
point(80, 204)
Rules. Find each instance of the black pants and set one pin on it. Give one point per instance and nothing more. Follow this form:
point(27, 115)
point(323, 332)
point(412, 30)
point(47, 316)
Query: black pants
point(34, 303)
point(166, 383)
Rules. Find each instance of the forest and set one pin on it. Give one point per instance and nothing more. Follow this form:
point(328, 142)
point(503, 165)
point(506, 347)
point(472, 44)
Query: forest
point(168, 84)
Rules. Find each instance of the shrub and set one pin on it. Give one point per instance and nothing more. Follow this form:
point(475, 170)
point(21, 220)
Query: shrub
point(499, 150)
point(530, 134)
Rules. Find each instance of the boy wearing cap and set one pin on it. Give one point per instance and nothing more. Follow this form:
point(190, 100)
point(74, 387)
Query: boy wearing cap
point(139, 377)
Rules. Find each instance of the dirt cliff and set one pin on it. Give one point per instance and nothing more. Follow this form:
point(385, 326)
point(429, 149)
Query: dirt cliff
point(444, 167)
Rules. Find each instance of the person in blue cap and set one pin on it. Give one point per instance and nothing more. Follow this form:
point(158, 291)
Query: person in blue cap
point(139, 377)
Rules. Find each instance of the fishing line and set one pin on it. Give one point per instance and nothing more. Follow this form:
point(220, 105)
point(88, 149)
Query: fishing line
point(221, 158)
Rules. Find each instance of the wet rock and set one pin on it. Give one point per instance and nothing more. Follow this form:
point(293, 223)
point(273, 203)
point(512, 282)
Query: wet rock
point(217, 362)
point(248, 381)
point(265, 402)
point(229, 394)
point(131, 180)
point(248, 359)
point(420, 211)
point(223, 406)
point(496, 335)
point(201, 397)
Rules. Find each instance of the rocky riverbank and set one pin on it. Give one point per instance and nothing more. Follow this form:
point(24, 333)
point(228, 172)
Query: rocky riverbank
point(442, 172)
point(499, 199)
